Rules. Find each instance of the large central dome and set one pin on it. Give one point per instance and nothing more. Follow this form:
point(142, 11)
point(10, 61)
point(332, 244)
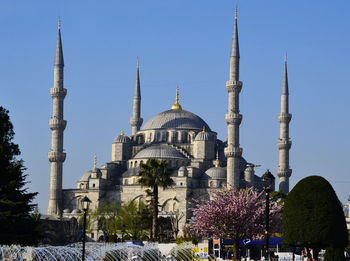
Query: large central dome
point(176, 119)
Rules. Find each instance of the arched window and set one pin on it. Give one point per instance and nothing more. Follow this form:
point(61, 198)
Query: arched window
point(135, 164)
point(130, 164)
point(167, 136)
point(126, 181)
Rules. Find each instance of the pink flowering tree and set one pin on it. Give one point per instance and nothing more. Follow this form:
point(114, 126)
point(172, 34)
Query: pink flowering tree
point(234, 214)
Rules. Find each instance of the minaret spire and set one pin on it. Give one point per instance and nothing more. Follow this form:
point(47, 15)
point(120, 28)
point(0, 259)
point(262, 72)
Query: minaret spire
point(136, 120)
point(284, 143)
point(233, 118)
point(57, 125)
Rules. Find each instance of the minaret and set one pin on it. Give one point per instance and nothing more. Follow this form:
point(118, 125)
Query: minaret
point(284, 143)
point(136, 120)
point(233, 119)
point(57, 125)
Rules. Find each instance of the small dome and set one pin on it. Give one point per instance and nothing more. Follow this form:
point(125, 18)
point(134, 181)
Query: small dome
point(216, 173)
point(86, 176)
point(159, 152)
point(67, 210)
point(76, 211)
point(130, 172)
point(122, 139)
point(203, 136)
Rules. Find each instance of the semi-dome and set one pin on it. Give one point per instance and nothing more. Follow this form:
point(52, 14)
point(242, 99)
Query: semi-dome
point(159, 152)
point(86, 176)
point(203, 136)
point(176, 119)
point(216, 173)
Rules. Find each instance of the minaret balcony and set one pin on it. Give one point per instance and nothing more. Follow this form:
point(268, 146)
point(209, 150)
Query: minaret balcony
point(55, 156)
point(233, 152)
point(233, 118)
point(136, 122)
point(58, 92)
point(284, 117)
point(284, 172)
point(56, 124)
point(234, 86)
point(284, 144)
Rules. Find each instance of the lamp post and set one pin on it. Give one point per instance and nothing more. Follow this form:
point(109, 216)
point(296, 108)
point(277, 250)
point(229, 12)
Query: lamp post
point(86, 202)
point(268, 180)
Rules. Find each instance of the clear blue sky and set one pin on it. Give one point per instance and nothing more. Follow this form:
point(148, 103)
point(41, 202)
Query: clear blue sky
point(185, 43)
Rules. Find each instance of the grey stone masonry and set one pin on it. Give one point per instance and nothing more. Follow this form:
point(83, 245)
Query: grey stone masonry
point(233, 118)
point(284, 143)
point(57, 125)
point(136, 120)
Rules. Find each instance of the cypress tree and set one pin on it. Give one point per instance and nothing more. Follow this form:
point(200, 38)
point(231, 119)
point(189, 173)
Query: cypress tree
point(16, 224)
point(313, 216)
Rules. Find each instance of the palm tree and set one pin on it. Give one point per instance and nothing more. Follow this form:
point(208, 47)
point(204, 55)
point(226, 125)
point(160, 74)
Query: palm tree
point(155, 174)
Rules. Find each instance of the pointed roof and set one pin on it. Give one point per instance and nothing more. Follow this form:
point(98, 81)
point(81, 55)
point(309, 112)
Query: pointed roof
point(137, 92)
point(59, 53)
point(285, 90)
point(235, 45)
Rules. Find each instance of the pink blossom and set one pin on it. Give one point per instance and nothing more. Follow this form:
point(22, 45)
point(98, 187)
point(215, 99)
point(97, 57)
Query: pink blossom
point(233, 213)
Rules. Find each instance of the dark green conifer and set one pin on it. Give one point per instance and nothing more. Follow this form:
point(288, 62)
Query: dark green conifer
point(313, 216)
point(16, 224)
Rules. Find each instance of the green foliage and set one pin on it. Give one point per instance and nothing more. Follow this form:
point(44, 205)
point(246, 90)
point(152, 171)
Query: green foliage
point(348, 246)
point(313, 216)
point(154, 174)
point(134, 220)
point(334, 254)
point(105, 217)
point(16, 224)
point(131, 221)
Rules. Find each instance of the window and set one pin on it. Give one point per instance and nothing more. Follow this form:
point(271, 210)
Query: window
point(93, 185)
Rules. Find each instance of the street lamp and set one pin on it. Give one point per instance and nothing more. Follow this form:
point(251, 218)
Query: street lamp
point(86, 202)
point(268, 180)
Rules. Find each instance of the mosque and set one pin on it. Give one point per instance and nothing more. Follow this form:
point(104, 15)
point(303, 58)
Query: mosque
point(198, 160)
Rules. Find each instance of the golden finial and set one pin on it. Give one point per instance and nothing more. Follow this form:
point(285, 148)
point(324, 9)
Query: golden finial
point(236, 13)
point(59, 23)
point(122, 132)
point(138, 62)
point(217, 162)
point(176, 105)
point(95, 161)
point(285, 56)
point(203, 128)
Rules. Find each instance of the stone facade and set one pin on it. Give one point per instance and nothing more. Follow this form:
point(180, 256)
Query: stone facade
point(199, 162)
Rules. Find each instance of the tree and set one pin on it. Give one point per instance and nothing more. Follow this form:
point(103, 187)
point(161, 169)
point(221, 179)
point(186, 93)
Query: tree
point(106, 219)
point(234, 214)
point(313, 217)
point(154, 174)
point(134, 220)
point(16, 224)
